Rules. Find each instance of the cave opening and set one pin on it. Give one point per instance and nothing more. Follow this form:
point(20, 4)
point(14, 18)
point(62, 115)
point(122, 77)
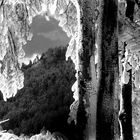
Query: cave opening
point(16, 36)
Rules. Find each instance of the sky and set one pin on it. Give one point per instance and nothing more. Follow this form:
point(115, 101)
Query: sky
point(46, 34)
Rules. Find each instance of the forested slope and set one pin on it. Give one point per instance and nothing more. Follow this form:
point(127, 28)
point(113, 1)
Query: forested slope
point(45, 98)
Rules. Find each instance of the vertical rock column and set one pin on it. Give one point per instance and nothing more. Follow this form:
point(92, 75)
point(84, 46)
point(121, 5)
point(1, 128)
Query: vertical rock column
point(85, 113)
point(107, 92)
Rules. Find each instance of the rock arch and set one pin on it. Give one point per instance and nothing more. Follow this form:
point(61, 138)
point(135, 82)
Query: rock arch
point(15, 23)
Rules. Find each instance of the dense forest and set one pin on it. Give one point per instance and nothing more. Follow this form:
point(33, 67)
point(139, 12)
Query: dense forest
point(46, 97)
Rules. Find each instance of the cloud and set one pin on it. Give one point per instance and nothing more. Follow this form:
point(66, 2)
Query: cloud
point(55, 36)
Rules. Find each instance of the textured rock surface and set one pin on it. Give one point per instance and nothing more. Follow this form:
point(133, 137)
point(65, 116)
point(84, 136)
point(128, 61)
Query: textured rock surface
point(129, 32)
point(16, 17)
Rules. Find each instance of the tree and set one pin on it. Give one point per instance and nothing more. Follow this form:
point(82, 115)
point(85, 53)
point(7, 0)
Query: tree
point(45, 98)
